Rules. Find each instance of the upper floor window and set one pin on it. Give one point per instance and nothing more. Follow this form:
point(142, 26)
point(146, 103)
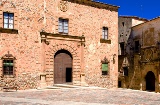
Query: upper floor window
point(8, 67)
point(8, 20)
point(137, 46)
point(63, 26)
point(123, 24)
point(122, 48)
point(104, 33)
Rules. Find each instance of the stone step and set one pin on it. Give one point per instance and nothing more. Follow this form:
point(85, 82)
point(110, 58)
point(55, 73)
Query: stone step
point(65, 86)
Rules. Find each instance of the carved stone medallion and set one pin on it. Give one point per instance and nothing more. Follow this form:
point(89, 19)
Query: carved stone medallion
point(148, 54)
point(63, 5)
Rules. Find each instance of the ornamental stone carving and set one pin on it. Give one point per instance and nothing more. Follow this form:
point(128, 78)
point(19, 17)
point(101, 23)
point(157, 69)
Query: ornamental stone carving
point(148, 54)
point(63, 6)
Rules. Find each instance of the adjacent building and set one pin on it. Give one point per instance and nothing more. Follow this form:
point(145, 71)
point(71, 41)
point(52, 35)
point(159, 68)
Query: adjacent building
point(49, 42)
point(140, 64)
point(125, 24)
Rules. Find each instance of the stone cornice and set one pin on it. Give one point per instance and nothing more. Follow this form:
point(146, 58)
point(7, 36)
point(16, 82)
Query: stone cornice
point(95, 4)
point(45, 36)
point(62, 36)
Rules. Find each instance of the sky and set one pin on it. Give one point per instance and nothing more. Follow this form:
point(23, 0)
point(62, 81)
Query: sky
point(148, 9)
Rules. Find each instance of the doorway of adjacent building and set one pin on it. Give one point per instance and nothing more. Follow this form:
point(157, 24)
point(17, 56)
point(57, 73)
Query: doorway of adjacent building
point(62, 67)
point(150, 81)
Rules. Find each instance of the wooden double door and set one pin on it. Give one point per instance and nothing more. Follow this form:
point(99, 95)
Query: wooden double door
point(62, 67)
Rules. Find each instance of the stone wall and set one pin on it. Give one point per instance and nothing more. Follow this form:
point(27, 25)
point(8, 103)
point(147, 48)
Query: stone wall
point(33, 57)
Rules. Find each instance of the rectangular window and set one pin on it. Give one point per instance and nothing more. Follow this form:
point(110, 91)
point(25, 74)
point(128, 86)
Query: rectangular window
point(7, 67)
point(122, 48)
point(63, 26)
point(104, 33)
point(136, 47)
point(125, 71)
point(8, 20)
point(104, 69)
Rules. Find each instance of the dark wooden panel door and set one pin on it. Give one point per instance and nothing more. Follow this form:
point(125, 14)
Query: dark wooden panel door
point(62, 60)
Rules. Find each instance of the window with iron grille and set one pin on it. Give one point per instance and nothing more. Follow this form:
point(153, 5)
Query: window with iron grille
point(104, 33)
point(8, 67)
point(105, 69)
point(8, 20)
point(63, 26)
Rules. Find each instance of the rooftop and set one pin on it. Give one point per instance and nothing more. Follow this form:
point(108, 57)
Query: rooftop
point(134, 17)
point(148, 21)
point(96, 4)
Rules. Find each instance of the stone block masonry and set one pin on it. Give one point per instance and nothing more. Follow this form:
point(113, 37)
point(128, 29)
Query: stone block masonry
point(35, 41)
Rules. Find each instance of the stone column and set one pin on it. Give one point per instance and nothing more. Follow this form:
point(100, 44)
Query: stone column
point(82, 75)
point(42, 74)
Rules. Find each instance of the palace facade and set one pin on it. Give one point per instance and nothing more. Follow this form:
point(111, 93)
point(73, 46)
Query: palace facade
point(47, 42)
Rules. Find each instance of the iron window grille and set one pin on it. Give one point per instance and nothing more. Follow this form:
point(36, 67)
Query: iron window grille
point(8, 67)
point(104, 33)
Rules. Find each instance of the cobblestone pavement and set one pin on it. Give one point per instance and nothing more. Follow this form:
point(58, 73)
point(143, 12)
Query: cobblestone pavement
point(80, 96)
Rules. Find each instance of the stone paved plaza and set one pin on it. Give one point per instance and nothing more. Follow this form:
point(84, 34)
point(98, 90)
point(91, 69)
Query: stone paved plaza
point(80, 96)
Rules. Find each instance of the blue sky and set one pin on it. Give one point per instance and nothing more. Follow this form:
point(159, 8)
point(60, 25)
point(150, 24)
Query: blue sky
point(141, 8)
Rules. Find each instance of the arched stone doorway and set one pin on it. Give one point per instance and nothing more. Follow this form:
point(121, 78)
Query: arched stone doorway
point(150, 81)
point(62, 67)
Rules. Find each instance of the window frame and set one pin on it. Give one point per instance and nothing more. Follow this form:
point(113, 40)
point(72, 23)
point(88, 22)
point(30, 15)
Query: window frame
point(8, 20)
point(125, 71)
point(9, 72)
point(105, 33)
point(62, 20)
point(105, 72)
point(122, 48)
point(136, 48)
point(8, 56)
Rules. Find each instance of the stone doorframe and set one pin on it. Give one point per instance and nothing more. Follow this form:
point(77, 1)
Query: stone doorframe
point(144, 81)
point(50, 63)
point(49, 50)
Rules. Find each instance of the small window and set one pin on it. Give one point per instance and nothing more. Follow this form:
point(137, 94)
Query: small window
point(63, 26)
point(122, 48)
point(123, 24)
point(125, 71)
point(8, 20)
point(8, 67)
point(105, 33)
point(104, 69)
point(137, 46)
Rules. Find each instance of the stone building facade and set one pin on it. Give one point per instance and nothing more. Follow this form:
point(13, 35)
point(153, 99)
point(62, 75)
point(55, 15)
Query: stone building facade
point(142, 52)
point(125, 24)
point(43, 43)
